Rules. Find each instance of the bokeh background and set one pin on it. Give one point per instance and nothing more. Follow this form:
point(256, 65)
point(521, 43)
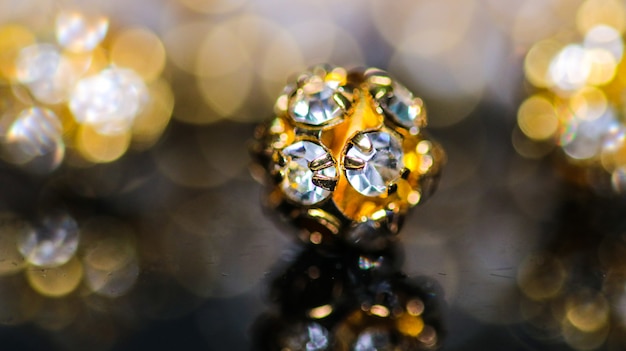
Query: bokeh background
point(129, 219)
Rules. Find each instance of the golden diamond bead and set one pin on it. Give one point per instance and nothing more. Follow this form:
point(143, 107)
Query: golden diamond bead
point(346, 154)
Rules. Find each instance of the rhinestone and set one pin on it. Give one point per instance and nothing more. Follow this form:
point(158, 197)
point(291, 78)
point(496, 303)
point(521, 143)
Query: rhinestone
point(381, 164)
point(299, 182)
point(316, 102)
point(403, 107)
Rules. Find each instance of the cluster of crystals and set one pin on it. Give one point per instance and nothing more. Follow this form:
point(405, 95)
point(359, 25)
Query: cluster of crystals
point(353, 139)
point(48, 254)
point(578, 104)
point(79, 94)
point(350, 302)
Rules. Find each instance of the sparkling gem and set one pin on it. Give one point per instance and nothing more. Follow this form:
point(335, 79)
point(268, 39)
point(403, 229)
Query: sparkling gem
point(382, 163)
point(53, 244)
point(403, 107)
point(299, 180)
point(315, 103)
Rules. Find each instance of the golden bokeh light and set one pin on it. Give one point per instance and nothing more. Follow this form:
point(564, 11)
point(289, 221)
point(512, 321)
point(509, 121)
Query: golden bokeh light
point(538, 59)
point(155, 116)
point(57, 281)
point(13, 38)
point(100, 148)
point(596, 12)
point(541, 276)
point(141, 50)
point(587, 311)
point(537, 118)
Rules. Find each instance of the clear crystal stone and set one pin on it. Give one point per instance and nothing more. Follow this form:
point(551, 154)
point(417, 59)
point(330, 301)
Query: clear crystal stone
point(314, 104)
point(298, 180)
point(402, 106)
point(382, 163)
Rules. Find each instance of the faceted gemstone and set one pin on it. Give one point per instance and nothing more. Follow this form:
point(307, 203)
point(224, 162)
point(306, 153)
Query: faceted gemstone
point(403, 107)
point(378, 162)
point(314, 102)
point(298, 183)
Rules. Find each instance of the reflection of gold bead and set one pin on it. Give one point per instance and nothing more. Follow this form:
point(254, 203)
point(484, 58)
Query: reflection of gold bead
point(347, 147)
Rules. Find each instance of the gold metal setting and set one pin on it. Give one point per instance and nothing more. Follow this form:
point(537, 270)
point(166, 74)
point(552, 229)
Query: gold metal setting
point(372, 129)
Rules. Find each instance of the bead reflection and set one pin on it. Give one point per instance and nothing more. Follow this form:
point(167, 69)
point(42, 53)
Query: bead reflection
point(346, 302)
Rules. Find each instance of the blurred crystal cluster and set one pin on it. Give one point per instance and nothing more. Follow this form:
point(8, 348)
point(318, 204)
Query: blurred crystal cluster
point(578, 103)
point(84, 97)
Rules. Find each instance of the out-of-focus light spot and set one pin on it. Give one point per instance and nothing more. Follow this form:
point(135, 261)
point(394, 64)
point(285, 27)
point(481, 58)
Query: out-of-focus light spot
point(321, 312)
point(226, 94)
point(541, 276)
point(537, 19)
point(184, 43)
point(53, 243)
point(140, 50)
point(570, 68)
point(213, 6)
point(415, 307)
point(224, 51)
point(537, 118)
point(410, 325)
point(537, 62)
point(439, 26)
point(77, 32)
point(101, 148)
point(156, 114)
point(11, 228)
point(112, 283)
point(618, 180)
point(606, 38)
point(588, 104)
point(379, 310)
point(109, 101)
point(109, 254)
point(49, 75)
point(56, 281)
point(36, 132)
point(587, 311)
point(603, 66)
point(581, 340)
point(529, 148)
point(592, 13)
point(584, 141)
point(13, 38)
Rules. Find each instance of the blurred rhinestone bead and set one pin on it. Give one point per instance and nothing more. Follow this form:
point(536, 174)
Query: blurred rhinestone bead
point(52, 244)
point(79, 33)
point(373, 339)
point(382, 162)
point(36, 132)
point(298, 183)
point(305, 337)
point(314, 104)
point(109, 101)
